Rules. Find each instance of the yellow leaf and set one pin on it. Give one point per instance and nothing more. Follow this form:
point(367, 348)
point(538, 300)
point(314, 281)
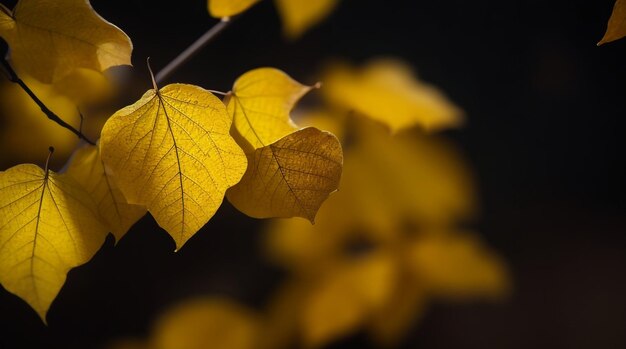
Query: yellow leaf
point(49, 39)
point(386, 91)
point(458, 266)
point(48, 225)
point(290, 177)
point(616, 28)
point(207, 323)
point(87, 168)
point(300, 15)
point(387, 182)
point(346, 297)
point(171, 152)
point(229, 8)
point(260, 104)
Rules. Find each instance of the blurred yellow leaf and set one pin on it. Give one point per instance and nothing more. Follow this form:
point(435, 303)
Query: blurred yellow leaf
point(49, 39)
point(84, 86)
point(387, 182)
point(290, 177)
point(229, 8)
point(412, 175)
point(26, 132)
point(207, 323)
point(282, 315)
point(171, 152)
point(458, 266)
point(405, 306)
point(396, 192)
point(340, 301)
point(323, 120)
point(299, 15)
point(260, 104)
point(386, 91)
point(616, 28)
point(87, 168)
point(48, 225)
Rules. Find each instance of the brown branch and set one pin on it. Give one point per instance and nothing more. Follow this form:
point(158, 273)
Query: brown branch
point(193, 49)
point(13, 77)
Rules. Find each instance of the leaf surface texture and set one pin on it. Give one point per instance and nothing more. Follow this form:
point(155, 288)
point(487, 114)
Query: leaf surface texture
point(87, 168)
point(171, 152)
point(51, 38)
point(48, 225)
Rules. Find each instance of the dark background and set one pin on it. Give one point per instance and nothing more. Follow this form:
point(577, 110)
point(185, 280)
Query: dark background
point(544, 135)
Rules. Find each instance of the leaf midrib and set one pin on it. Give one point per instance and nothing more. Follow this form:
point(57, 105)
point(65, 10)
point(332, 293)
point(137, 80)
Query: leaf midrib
point(180, 173)
point(36, 234)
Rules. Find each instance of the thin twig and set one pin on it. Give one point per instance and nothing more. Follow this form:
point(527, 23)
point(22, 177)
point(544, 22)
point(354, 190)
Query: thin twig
point(191, 51)
point(13, 77)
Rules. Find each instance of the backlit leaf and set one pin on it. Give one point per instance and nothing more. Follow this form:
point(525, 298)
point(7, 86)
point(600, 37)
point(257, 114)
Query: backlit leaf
point(48, 225)
point(260, 104)
point(171, 152)
point(50, 38)
point(290, 177)
point(616, 27)
point(87, 168)
point(300, 15)
point(228, 8)
point(386, 91)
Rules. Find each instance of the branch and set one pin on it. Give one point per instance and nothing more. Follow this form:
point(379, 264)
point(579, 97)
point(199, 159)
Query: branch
point(13, 77)
point(191, 51)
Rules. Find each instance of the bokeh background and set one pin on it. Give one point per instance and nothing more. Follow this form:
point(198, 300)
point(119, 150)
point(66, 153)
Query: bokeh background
point(544, 137)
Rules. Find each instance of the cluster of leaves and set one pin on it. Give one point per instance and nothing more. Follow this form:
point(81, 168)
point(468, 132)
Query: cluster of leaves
point(174, 153)
point(382, 247)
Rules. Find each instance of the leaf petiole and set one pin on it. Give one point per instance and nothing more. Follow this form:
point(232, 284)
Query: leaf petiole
point(193, 49)
point(46, 168)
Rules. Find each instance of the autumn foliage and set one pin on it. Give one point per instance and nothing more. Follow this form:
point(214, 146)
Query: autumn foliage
point(367, 200)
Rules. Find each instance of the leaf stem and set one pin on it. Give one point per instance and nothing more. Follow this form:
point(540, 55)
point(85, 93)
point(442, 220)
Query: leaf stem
point(154, 84)
point(219, 92)
point(50, 151)
point(13, 77)
point(192, 50)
